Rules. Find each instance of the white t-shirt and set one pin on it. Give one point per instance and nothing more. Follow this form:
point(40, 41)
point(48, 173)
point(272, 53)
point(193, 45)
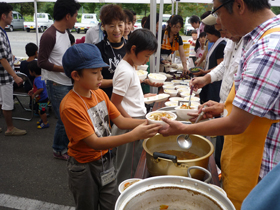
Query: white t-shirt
point(126, 83)
point(53, 45)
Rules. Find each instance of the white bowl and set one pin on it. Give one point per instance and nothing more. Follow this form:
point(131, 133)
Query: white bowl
point(171, 92)
point(171, 103)
point(184, 83)
point(168, 83)
point(176, 82)
point(170, 87)
point(142, 74)
point(142, 67)
point(193, 99)
point(170, 69)
point(180, 90)
point(183, 113)
point(160, 114)
point(157, 78)
point(186, 94)
point(176, 99)
point(181, 86)
point(187, 81)
point(198, 91)
point(127, 183)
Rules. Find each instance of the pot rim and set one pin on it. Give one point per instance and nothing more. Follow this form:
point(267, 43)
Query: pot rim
point(174, 181)
point(183, 161)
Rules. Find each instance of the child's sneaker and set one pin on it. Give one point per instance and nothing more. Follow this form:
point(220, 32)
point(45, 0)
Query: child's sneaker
point(39, 122)
point(60, 156)
point(43, 125)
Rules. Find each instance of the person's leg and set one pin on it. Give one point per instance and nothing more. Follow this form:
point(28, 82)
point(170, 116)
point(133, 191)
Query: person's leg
point(82, 183)
point(57, 93)
point(7, 107)
point(108, 194)
point(6, 92)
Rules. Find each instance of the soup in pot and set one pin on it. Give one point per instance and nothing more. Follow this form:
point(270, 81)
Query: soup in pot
point(181, 155)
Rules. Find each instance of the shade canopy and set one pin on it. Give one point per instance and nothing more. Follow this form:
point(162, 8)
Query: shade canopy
point(272, 2)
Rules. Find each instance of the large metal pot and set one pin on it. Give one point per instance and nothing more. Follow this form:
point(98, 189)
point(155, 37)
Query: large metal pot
point(176, 192)
point(158, 164)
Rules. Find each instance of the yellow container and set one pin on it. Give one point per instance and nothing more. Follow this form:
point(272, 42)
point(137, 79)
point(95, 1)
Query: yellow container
point(186, 46)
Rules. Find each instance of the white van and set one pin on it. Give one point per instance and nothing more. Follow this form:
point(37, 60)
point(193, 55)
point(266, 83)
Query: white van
point(165, 18)
point(17, 22)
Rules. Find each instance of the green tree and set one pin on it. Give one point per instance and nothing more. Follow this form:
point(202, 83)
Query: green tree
point(24, 8)
point(276, 10)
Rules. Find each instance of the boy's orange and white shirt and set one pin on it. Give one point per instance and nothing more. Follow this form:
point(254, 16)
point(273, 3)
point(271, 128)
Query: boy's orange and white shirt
point(79, 124)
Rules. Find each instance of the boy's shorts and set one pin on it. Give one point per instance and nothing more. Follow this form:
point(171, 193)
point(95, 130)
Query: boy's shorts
point(42, 105)
point(6, 97)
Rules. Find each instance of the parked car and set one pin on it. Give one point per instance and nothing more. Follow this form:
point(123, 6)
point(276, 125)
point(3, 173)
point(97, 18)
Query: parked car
point(17, 22)
point(188, 27)
point(87, 21)
point(137, 24)
point(44, 21)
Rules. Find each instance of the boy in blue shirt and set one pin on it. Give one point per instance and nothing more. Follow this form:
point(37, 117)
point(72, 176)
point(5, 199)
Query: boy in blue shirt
point(39, 92)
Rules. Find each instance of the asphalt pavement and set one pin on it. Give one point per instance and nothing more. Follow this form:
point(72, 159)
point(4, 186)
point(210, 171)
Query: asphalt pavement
point(28, 169)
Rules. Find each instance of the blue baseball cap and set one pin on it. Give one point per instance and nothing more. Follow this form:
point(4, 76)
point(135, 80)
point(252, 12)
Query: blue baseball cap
point(82, 56)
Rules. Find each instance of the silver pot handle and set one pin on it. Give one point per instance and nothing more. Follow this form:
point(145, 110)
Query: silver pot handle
point(202, 169)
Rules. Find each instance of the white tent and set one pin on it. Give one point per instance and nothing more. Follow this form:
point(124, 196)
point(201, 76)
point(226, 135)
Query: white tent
point(272, 2)
point(154, 66)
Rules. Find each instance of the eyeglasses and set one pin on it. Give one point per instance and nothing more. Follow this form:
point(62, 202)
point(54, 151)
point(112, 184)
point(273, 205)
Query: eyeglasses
point(214, 11)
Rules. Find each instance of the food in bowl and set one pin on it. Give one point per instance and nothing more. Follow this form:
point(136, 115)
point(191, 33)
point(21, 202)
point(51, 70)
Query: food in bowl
point(171, 103)
point(171, 92)
point(194, 70)
point(186, 94)
point(127, 183)
point(157, 78)
point(168, 83)
point(181, 86)
point(176, 99)
point(176, 82)
point(158, 115)
point(193, 99)
point(168, 87)
point(155, 117)
point(183, 112)
point(180, 90)
point(142, 74)
point(185, 106)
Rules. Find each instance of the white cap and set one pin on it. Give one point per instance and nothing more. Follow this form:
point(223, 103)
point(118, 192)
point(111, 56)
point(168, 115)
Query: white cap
point(209, 20)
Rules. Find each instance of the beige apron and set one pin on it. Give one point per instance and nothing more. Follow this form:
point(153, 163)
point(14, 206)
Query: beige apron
point(242, 156)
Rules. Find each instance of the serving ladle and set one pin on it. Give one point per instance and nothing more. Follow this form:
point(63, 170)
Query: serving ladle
point(183, 140)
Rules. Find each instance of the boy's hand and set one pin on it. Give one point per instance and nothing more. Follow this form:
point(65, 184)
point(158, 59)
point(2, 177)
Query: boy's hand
point(153, 84)
point(145, 130)
point(30, 93)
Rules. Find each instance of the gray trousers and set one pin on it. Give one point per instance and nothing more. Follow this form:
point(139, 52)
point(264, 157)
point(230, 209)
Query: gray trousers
point(127, 156)
point(85, 184)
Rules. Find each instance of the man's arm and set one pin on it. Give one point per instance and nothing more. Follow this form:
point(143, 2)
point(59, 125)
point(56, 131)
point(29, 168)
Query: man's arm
point(235, 123)
point(47, 43)
point(9, 69)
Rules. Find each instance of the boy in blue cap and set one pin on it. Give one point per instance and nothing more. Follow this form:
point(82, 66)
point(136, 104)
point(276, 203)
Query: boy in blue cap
point(86, 112)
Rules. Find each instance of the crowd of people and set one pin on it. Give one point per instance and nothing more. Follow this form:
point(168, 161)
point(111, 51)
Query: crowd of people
point(98, 98)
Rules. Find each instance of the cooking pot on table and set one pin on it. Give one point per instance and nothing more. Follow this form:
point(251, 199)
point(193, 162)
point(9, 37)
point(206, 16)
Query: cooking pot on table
point(161, 164)
point(172, 192)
